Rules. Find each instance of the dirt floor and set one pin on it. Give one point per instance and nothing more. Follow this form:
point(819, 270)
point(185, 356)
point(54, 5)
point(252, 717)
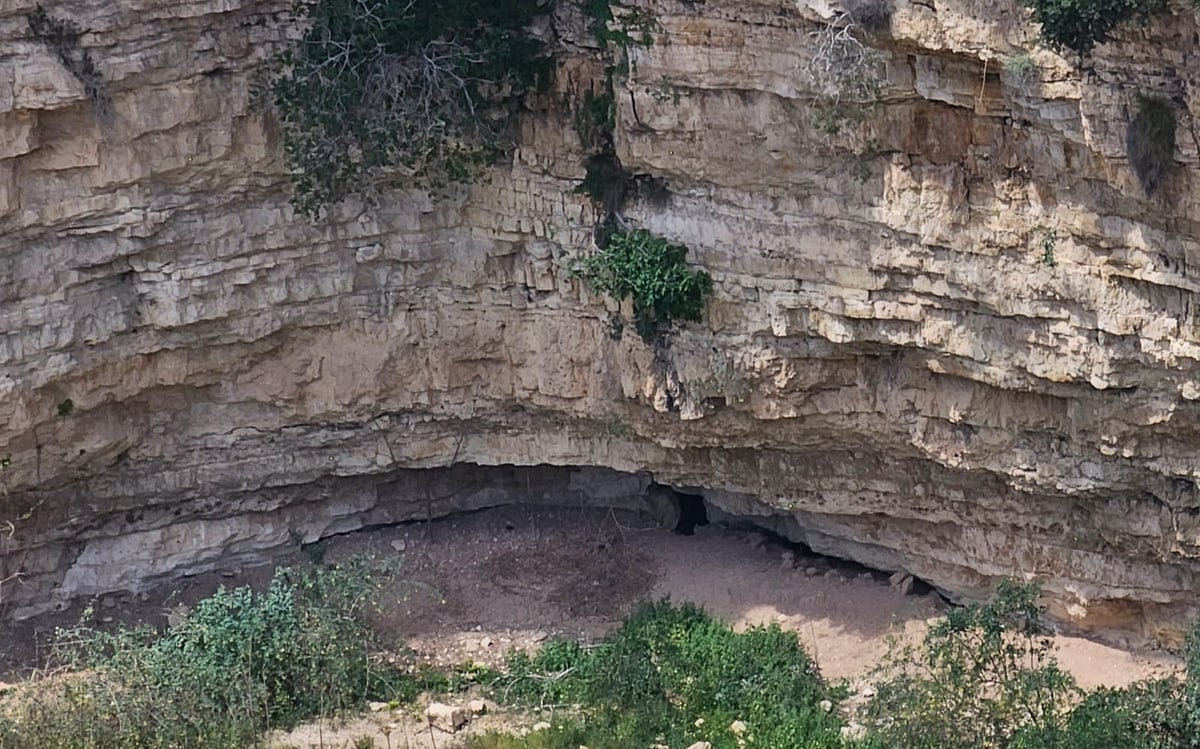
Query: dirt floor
point(474, 587)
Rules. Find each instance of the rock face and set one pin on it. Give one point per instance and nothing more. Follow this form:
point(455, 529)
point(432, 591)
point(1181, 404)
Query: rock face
point(957, 339)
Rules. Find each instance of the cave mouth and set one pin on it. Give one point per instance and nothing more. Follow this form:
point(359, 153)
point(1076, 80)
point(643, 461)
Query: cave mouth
point(693, 512)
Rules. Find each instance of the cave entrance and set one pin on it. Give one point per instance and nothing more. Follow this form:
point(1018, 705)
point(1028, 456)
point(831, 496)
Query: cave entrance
point(692, 512)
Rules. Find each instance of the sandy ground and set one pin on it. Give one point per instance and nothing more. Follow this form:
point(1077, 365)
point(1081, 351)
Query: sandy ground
point(475, 586)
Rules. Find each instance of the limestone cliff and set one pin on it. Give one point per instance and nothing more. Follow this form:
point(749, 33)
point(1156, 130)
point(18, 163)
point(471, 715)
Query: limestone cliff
point(959, 341)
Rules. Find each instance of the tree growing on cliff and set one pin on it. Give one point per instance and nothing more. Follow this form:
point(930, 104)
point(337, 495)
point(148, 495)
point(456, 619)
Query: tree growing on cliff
point(1080, 25)
point(417, 92)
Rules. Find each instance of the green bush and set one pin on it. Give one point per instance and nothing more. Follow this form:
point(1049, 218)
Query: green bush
point(674, 676)
point(1150, 142)
point(982, 676)
point(1080, 25)
point(239, 663)
point(651, 271)
point(1144, 716)
point(1157, 714)
point(421, 91)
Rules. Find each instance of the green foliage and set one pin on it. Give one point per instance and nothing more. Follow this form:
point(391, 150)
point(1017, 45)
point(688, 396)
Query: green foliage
point(423, 92)
point(1157, 714)
point(650, 271)
point(1140, 717)
point(66, 408)
point(675, 676)
point(239, 663)
point(1080, 25)
point(1150, 141)
point(982, 676)
point(637, 26)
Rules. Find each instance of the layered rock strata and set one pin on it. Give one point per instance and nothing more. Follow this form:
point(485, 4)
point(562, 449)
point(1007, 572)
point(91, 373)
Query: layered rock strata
point(956, 339)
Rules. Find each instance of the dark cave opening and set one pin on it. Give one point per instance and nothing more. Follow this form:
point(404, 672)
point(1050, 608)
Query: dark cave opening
point(692, 513)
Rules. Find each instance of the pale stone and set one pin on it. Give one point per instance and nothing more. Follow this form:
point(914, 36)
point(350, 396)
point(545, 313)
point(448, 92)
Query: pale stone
point(448, 718)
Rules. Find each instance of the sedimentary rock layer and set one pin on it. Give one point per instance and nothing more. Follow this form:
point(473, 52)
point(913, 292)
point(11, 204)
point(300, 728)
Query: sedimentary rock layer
point(957, 339)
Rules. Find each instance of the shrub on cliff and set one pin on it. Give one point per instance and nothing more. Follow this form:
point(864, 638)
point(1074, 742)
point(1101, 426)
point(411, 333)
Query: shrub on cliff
point(650, 271)
point(239, 663)
point(418, 92)
point(1080, 25)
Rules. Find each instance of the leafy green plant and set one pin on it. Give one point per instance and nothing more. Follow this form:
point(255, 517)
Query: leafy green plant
point(637, 26)
point(650, 271)
point(1080, 25)
point(1150, 141)
point(674, 676)
point(418, 92)
point(982, 676)
point(1156, 714)
point(239, 663)
point(65, 408)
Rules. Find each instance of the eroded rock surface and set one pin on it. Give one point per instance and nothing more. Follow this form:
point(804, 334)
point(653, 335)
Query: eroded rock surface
point(890, 369)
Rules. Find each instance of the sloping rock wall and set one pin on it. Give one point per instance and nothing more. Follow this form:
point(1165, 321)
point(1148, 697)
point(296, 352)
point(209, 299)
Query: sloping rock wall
point(958, 340)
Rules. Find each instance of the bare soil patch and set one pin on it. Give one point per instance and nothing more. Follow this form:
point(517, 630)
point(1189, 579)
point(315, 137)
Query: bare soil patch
point(477, 585)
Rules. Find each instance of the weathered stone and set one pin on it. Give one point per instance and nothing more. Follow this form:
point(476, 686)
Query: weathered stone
point(902, 582)
point(958, 342)
point(448, 718)
point(481, 707)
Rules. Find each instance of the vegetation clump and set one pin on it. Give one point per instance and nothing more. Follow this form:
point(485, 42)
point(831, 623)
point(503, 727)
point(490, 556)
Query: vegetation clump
point(242, 662)
point(1079, 25)
point(847, 75)
point(982, 676)
point(673, 675)
point(1150, 142)
point(239, 663)
point(422, 92)
point(652, 272)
